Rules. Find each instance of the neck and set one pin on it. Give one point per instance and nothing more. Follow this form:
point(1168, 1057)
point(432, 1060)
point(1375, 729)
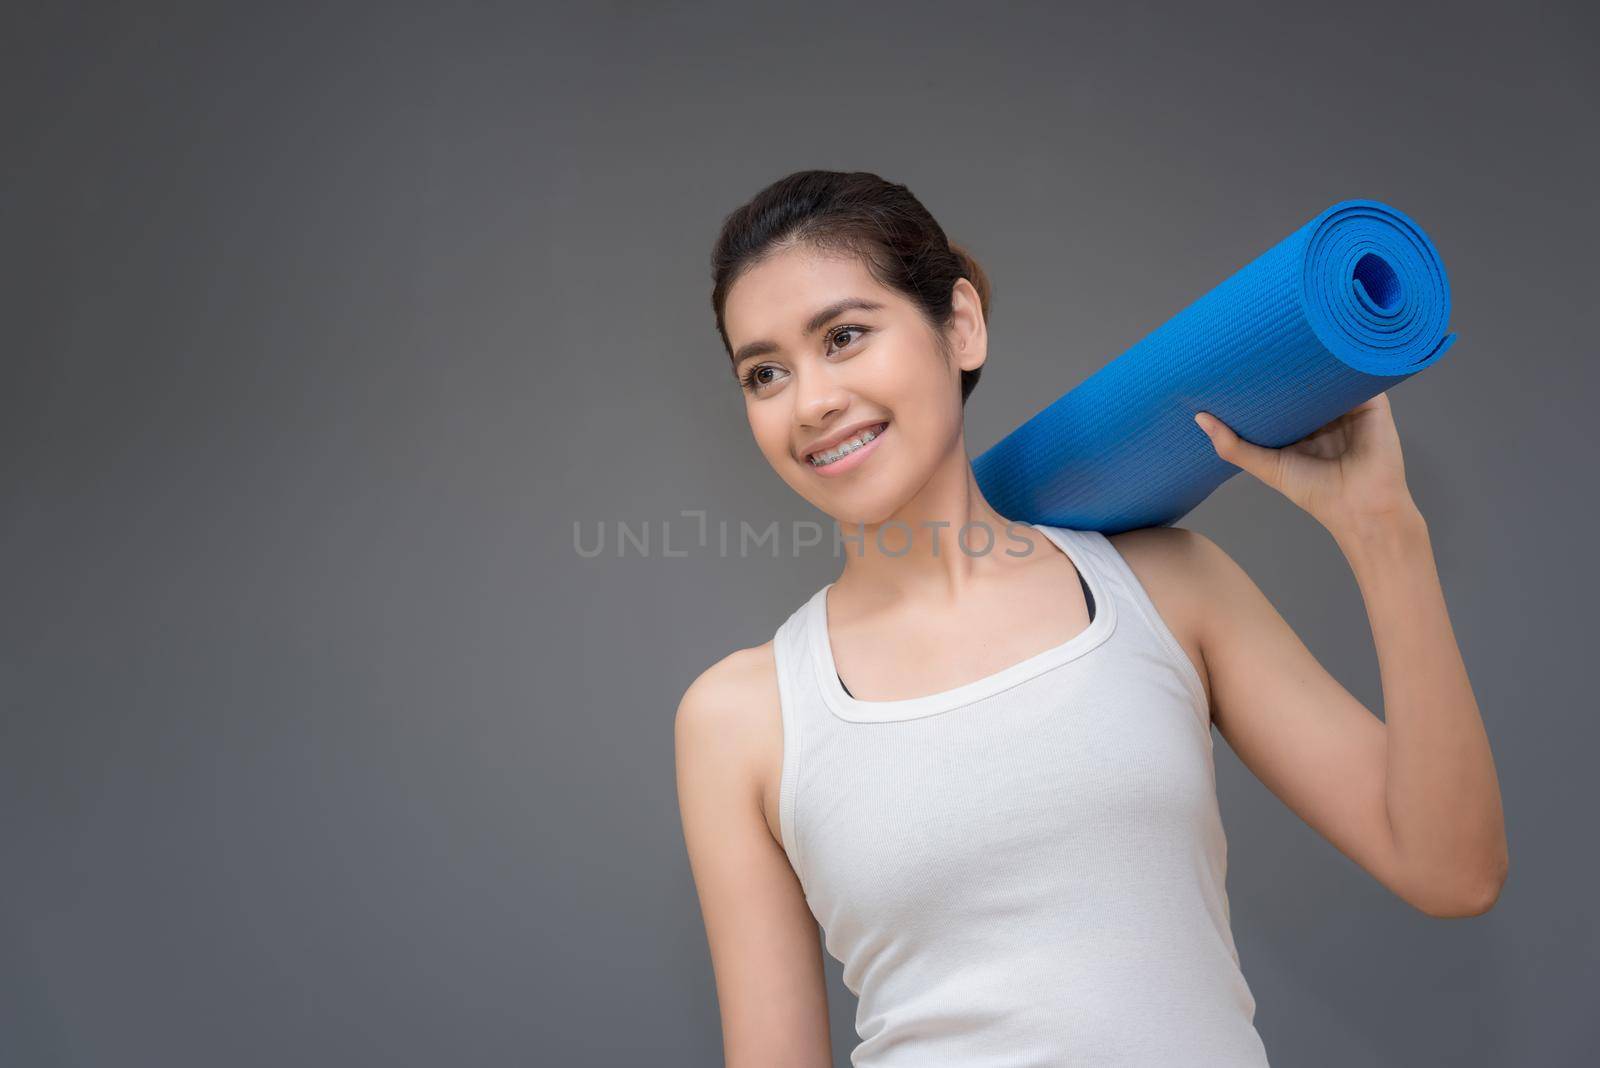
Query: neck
point(921, 551)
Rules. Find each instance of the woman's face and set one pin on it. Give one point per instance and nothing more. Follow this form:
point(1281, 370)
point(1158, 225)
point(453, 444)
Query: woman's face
point(820, 367)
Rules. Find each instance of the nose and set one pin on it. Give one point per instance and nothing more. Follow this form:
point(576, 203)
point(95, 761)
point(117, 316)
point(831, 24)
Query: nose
point(818, 396)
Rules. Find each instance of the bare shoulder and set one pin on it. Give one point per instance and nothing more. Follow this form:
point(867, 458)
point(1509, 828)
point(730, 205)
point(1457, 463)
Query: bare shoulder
point(1164, 551)
point(731, 715)
point(734, 675)
point(724, 705)
point(766, 953)
point(1172, 563)
point(1170, 556)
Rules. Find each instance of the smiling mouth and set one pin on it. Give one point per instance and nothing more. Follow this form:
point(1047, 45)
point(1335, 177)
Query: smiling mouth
point(831, 456)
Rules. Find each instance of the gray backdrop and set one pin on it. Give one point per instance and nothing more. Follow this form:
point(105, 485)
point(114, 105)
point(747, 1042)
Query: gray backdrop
point(321, 742)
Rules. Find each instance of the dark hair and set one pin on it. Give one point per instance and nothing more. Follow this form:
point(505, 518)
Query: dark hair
point(856, 212)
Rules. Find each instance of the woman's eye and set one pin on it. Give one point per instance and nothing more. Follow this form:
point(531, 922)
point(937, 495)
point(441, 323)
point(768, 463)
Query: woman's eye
point(843, 330)
point(756, 377)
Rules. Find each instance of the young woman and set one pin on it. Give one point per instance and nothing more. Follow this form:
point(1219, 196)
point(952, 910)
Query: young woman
point(981, 759)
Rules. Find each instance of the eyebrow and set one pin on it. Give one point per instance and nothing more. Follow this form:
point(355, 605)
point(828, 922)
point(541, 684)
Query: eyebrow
point(813, 324)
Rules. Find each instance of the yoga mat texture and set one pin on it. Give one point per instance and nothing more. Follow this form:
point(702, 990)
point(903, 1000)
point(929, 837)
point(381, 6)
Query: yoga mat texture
point(1351, 303)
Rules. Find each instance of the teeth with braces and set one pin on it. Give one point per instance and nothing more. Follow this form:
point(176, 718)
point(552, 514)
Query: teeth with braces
point(840, 451)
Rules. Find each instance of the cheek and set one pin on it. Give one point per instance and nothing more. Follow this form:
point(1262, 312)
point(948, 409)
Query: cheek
point(917, 387)
point(770, 430)
point(911, 372)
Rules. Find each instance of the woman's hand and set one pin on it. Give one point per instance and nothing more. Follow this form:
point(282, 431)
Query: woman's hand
point(1345, 473)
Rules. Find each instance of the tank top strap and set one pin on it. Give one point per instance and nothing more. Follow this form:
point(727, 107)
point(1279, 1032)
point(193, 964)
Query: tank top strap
point(1122, 583)
point(804, 718)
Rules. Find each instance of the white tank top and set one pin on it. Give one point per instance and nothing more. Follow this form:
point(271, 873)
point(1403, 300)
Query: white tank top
point(1027, 869)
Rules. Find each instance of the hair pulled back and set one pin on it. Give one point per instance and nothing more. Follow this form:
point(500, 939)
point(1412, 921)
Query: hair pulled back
point(858, 213)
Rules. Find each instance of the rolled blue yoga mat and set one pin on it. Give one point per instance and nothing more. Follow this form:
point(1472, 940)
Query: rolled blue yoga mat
point(1348, 305)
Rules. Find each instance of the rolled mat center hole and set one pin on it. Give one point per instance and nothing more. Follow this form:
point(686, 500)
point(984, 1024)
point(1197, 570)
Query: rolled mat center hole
point(1378, 279)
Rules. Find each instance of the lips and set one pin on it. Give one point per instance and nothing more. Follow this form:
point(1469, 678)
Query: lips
point(840, 436)
point(848, 454)
point(845, 444)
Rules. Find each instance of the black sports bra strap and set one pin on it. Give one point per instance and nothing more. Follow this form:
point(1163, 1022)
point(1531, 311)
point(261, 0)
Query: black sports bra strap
point(1087, 596)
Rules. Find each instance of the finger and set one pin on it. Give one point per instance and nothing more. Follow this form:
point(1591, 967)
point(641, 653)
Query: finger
point(1261, 462)
point(1373, 403)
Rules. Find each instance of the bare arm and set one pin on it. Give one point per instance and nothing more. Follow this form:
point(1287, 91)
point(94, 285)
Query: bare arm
point(764, 942)
point(1441, 791)
point(1319, 749)
point(1415, 799)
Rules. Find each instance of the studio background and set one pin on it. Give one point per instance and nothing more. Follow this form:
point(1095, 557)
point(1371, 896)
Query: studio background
point(319, 742)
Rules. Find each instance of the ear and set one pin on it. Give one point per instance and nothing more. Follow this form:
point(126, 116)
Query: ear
point(968, 333)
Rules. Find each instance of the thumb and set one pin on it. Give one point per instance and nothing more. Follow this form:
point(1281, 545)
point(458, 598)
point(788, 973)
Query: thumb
point(1261, 462)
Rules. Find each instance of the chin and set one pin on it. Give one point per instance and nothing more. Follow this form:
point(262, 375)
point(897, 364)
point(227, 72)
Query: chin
point(846, 506)
point(869, 516)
